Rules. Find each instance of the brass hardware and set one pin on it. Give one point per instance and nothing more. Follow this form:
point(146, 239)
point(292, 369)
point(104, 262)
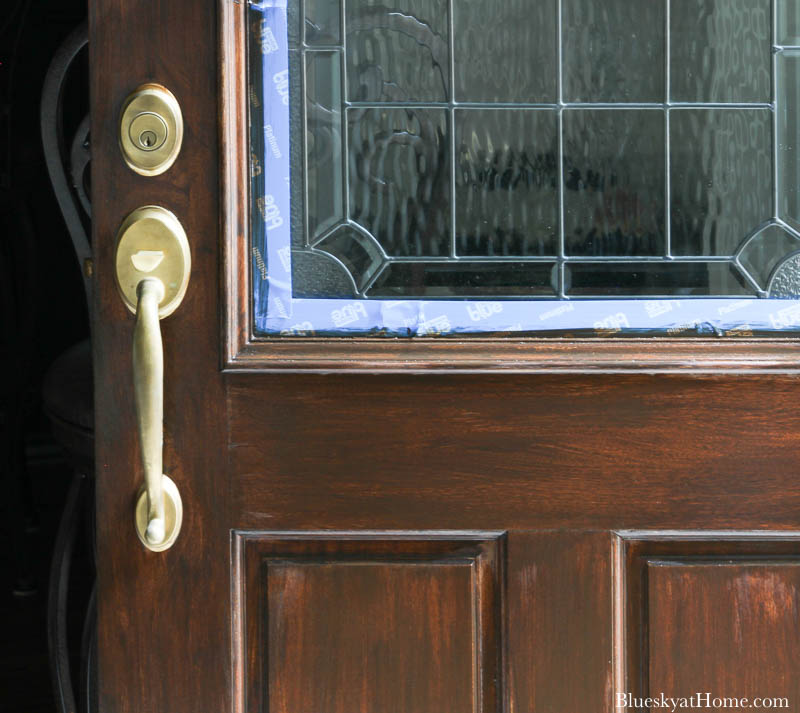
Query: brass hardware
point(152, 243)
point(153, 266)
point(150, 130)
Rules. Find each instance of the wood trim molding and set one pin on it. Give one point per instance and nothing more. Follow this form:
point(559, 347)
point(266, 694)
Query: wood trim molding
point(243, 351)
point(234, 183)
point(654, 355)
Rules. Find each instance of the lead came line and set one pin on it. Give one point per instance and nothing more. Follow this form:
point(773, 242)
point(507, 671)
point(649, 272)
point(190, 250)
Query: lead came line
point(776, 177)
point(452, 117)
point(345, 117)
point(622, 106)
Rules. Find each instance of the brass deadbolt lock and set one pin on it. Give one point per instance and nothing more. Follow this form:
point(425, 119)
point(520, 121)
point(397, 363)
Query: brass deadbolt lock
point(150, 130)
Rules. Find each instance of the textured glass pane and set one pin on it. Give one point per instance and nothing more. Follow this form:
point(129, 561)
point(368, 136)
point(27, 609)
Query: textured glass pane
point(785, 281)
point(323, 141)
point(318, 275)
point(720, 51)
point(400, 178)
point(788, 12)
point(614, 194)
point(322, 22)
point(399, 52)
point(506, 182)
point(761, 254)
point(654, 279)
point(440, 279)
point(505, 51)
point(789, 137)
point(613, 50)
point(721, 178)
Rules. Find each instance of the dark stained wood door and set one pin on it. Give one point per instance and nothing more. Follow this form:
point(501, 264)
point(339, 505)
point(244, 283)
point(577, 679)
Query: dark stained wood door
point(420, 526)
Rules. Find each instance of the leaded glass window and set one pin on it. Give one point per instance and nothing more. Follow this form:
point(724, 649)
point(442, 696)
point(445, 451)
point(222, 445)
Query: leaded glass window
point(445, 166)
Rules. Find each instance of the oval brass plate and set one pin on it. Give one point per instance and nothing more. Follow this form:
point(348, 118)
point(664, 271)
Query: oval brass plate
point(151, 242)
point(173, 516)
point(150, 130)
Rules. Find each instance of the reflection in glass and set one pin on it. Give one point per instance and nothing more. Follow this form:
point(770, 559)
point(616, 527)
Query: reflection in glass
point(667, 279)
point(613, 50)
point(400, 174)
point(506, 182)
point(357, 251)
point(720, 51)
point(505, 51)
point(398, 52)
point(441, 279)
point(614, 182)
point(722, 179)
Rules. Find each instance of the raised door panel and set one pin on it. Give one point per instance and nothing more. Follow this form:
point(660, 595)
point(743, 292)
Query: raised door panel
point(359, 624)
point(712, 617)
point(728, 629)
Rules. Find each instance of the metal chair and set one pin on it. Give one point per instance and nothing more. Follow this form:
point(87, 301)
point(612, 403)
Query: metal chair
point(68, 385)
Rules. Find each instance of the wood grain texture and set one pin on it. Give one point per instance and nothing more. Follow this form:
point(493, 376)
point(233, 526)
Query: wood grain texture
point(729, 628)
point(710, 612)
point(347, 623)
point(163, 618)
point(560, 643)
point(514, 452)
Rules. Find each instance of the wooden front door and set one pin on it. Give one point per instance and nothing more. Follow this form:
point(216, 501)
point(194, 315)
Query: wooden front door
point(446, 520)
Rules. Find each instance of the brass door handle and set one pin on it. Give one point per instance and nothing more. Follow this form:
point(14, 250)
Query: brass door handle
point(153, 265)
point(148, 383)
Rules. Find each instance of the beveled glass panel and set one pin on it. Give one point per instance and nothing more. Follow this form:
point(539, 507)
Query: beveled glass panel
point(613, 50)
point(665, 279)
point(720, 51)
point(614, 196)
point(722, 178)
point(322, 22)
point(441, 279)
point(324, 167)
point(506, 182)
point(506, 51)
point(788, 144)
point(788, 19)
point(765, 250)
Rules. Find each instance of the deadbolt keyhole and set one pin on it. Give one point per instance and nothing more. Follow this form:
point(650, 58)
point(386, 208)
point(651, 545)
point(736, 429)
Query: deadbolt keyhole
point(147, 139)
point(148, 131)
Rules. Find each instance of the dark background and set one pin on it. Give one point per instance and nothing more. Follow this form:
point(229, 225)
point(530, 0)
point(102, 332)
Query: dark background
point(41, 315)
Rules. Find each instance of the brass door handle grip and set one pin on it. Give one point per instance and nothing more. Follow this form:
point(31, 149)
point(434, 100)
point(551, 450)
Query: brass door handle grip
point(148, 383)
point(153, 265)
